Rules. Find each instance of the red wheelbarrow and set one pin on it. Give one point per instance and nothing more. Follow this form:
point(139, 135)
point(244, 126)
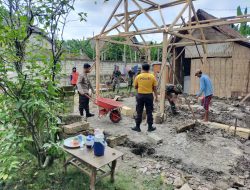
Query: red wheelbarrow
point(107, 105)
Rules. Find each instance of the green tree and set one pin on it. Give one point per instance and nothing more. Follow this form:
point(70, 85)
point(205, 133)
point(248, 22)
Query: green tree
point(243, 28)
point(29, 94)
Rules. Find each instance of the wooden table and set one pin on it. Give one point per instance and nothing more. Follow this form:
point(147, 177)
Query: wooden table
point(85, 160)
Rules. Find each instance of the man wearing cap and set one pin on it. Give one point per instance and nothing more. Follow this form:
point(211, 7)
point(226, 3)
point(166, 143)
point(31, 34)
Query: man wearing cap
point(145, 84)
point(83, 86)
point(206, 88)
point(172, 91)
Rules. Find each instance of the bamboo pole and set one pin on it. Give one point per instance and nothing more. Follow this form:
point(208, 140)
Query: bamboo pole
point(97, 71)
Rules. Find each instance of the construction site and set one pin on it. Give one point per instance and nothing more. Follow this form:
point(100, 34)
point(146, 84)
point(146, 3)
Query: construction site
point(185, 152)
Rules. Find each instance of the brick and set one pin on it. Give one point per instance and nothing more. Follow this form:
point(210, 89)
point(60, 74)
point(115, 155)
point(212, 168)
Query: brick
point(114, 141)
point(127, 111)
point(155, 139)
point(75, 127)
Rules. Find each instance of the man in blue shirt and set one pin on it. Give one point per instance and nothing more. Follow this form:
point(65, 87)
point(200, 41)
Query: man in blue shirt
point(206, 88)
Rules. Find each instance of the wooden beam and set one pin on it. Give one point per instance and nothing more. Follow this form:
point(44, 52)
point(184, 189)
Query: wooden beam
point(204, 47)
point(123, 43)
point(111, 16)
point(144, 41)
point(133, 19)
point(153, 8)
point(118, 22)
point(126, 15)
point(149, 2)
point(147, 15)
point(179, 15)
point(180, 44)
point(205, 25)
point(166, 42)
point(97, 71)
point(189, 37)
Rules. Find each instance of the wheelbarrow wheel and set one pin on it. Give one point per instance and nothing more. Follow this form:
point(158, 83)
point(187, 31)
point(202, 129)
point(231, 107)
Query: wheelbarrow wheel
point(115, 116)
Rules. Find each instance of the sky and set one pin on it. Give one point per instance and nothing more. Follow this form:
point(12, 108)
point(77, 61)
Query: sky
point(99, 11)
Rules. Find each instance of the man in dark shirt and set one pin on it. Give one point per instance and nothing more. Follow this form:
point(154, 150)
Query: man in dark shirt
point(130, 79)
point(116, 79)
point(83, 86)
point(172, 91)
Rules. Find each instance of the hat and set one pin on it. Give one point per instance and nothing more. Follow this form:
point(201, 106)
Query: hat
point(86, 66)
point(198, 71)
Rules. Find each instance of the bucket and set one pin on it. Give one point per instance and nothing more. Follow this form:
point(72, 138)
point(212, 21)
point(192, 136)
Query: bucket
point(99, 145)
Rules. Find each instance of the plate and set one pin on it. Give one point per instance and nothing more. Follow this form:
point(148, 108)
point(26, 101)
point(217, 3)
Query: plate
point(68, 143)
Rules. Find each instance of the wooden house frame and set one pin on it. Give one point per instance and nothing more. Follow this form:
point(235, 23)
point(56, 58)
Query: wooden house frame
point(125, 27)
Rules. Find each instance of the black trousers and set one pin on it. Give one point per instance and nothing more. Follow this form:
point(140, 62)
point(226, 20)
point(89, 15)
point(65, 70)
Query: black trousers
point(147, 101)
point(83, 104)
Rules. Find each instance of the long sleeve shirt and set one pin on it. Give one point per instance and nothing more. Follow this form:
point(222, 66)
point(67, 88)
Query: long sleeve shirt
point(206, 86)
point(83, 84)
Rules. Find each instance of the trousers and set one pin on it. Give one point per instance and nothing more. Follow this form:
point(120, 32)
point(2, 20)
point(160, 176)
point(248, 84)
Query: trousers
point(147, 101)
point(83, 104)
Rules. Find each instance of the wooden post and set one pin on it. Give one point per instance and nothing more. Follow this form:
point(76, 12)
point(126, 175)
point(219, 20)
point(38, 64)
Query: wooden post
point(126, 15)
point(164, 72)
point(149, 55)
point(174, 62)
point(97, 71)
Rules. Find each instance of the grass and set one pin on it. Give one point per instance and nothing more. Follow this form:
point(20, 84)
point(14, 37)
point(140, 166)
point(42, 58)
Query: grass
point(53, 178)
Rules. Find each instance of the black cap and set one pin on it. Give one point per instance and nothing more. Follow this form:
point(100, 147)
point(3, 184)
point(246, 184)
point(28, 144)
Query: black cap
point(86, 66)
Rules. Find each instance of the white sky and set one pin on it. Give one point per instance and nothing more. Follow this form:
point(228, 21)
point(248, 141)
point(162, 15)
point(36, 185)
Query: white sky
point(99, 12)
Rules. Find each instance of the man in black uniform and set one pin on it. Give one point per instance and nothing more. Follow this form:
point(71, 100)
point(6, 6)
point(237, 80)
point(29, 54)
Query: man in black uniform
point(83, 86)
point(172, 92)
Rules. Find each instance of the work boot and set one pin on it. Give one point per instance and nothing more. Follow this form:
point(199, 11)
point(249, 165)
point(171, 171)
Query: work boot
point(151, 128)
point(136, 128)
point(90, 115)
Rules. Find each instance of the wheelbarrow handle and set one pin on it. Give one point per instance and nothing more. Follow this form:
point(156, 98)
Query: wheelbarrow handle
point(92, 99)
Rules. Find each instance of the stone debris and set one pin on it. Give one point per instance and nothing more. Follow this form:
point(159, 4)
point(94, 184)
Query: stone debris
point(185, 187)
point(178, 182)
point(154, 138)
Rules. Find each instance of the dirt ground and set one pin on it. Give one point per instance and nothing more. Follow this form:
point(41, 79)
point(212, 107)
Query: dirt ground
point(203, 157)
